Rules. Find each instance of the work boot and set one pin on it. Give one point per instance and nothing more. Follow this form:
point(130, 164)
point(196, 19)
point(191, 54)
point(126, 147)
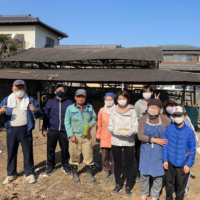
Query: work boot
point(117, 189)
point(113, 177)
point(74, 173)
point(89, 174)
point(128, 192)
point(106, 175)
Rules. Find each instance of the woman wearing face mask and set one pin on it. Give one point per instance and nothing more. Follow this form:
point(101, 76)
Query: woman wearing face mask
point(104, 136)
point(141, 109)
point(150, 132)
point(123, 126)
point(168, 106)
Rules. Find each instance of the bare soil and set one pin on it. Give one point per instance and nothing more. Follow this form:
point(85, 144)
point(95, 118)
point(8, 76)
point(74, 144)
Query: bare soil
point(61, 186)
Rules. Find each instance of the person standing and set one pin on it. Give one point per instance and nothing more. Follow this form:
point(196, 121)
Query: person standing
point(79, 120)
point(54, 115)
point(20, 112)
point(168, 107)
point(123, 125)
point(150, 132)
point(179, 154)
point(141, 110)
point(104, 136)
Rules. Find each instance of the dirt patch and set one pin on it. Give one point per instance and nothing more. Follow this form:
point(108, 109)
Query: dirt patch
point(61, 186)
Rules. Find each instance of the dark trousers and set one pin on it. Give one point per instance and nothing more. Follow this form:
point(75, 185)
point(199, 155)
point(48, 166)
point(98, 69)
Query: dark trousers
point(106, 154)
point(19, 135)
point(129, 156)
point(175, 173)
point(52, 138)
point(137, 151)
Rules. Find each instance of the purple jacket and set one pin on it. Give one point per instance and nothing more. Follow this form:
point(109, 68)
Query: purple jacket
point(54, 114)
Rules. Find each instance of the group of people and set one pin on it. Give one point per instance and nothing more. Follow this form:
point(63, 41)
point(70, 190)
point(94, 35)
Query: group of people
point(160, 136)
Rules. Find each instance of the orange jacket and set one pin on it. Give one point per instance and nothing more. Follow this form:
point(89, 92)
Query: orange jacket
point(102, 129)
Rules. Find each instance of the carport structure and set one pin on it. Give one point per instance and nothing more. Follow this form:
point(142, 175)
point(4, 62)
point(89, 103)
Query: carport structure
point(139, 65)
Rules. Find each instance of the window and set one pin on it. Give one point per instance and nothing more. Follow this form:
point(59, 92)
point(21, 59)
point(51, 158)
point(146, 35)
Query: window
point(175, 57)
point(165, 58)
point(186, 58)
point(20, 37)
point(170, 57)
point(49, 42)
point(198, 58)
point(9, 35)
point(179, 58)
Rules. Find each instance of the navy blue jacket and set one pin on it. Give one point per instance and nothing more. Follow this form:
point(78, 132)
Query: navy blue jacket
point(54, 114)
point(30, 115)
point(180, 142)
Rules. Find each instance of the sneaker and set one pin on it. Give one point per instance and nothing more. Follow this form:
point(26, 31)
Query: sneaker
point(31, 179)
point(137, 179)
point(9, 179)
point(67, 170)
point(117, 189)
point(49, 171)
point(106, 175)
point(128, 192)
point(113, 177)
point(153, 198)
point(143, 198)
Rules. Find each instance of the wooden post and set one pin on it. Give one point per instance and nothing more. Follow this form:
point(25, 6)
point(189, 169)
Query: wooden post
point(39, 102)
point(183, 96)
point(194, 95)
point(102, 86)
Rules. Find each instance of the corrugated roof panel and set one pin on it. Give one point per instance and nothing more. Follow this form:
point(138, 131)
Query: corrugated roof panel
point(61, 55)
point(137, 76)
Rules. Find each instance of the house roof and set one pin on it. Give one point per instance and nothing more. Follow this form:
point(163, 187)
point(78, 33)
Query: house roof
point(195, 68)
point(26, 20)
point(48, 55)
point(137, 76)
point(87, 46)
point(179, 47)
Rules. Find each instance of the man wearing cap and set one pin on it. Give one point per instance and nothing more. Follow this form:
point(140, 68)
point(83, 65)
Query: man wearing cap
point(179, 153)
point(20, 112)
point(54, 115)
point(150, 131)
point(78, 116)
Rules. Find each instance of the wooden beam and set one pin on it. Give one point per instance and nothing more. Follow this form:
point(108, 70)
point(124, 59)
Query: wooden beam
point(194, 95)
point(183, 96)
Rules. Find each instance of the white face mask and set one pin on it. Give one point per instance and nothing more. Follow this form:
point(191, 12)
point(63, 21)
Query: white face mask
point(20, 94)
point(179, 120)
point(153, 112)
point(122, 103)
point(109, 103)
point(147, 95)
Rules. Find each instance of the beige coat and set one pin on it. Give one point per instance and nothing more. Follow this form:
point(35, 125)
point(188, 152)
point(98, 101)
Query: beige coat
point(123, 127)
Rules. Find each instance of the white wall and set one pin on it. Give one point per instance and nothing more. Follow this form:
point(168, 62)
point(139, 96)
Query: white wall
point(41, 34)
point(28, 31)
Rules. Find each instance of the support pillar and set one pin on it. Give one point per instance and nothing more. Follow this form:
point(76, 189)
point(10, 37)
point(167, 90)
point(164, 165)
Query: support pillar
point(183, 96)
point(39, 103)
point(102, 94)
point(194, 95)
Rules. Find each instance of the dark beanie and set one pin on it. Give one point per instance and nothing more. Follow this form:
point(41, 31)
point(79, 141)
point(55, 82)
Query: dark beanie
point(155, 102)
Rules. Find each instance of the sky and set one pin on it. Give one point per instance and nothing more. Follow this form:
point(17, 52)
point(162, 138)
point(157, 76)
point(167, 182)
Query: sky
point(131, 23)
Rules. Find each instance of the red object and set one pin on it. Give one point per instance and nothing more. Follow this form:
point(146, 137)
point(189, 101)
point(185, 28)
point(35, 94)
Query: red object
point(188, 153)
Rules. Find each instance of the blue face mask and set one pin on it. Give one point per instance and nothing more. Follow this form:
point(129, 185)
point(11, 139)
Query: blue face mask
point(170, 110)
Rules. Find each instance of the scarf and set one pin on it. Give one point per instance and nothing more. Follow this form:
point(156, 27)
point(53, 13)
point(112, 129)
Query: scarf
point(109, 110)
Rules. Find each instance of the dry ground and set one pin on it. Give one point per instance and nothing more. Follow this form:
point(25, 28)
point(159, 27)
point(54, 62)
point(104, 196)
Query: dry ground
point(61, 186)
